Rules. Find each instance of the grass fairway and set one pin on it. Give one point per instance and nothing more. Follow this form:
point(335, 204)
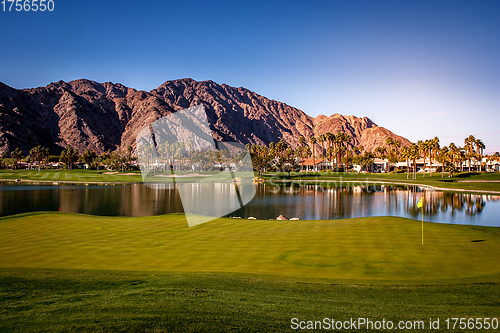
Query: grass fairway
point(483, 181)
point(71, 272)
point(72, 176)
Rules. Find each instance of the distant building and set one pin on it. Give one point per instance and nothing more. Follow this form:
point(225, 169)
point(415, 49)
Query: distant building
point(378, 166)
point(428, 165)
point(313, 164)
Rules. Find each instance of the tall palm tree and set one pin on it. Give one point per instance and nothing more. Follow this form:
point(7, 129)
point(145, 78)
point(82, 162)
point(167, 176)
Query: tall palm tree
point(479, 152)
point(302, 141)
point(313, 143)
point(443, 155)
point(433, 150)
point(462, 157)
point(339, 139)
point(406, 154)
point(322, 139)
point(397, 145)
point(330, 137)
point(389, 142)
point(17, 154)
point(347, 140)
point(469, 143)
point(414, 154)
point(422, 148)
point(381, 151)
point(453, 149)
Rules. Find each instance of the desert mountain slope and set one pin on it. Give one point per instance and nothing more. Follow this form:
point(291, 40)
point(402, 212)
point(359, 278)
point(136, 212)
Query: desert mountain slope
point(103, 116)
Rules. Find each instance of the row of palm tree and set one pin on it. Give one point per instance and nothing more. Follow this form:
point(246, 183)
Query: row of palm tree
point(335, 148)
point(338, 149)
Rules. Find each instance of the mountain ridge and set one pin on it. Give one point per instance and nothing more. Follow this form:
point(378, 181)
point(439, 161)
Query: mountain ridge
point(108, 116)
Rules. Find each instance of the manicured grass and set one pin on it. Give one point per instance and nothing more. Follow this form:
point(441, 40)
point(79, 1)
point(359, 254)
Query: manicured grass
point(78, 273)
point(363, 250)
point(475, 181)
point(484, 181)
point(96, 301)
point(71, 175)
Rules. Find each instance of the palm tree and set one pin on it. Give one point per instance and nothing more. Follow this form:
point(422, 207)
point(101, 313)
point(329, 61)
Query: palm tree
point(453, 149)
point(339, 139)
point(322, 139)
point(355, 150)
point(69, 156)
point(443, 155)
point(389, 142)
point(421, 148)
point(347, 140)
point(381, 151)
point(330, 137)
point(406, 154)
point(479, 152)
point(17, 154)
point(302, 141)
point(397, 144)
point(433, 149)
point(461, 158)
point(414, 154)
point(469, 143)
point(313, 143)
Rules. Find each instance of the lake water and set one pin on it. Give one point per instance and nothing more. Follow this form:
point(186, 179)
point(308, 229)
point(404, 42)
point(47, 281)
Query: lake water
point(318, 201)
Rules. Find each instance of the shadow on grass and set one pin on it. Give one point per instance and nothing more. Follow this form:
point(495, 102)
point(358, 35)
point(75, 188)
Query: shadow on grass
point(467, 174)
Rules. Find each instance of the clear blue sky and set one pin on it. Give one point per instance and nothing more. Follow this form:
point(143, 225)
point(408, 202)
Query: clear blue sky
point(421, 69)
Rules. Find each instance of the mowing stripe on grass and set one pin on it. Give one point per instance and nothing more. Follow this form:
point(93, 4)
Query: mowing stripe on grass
point(363, 250)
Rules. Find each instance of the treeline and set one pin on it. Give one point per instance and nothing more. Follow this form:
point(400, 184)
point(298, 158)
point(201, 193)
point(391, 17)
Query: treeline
point(40, 157)
point(337, 150)
point(342, 155)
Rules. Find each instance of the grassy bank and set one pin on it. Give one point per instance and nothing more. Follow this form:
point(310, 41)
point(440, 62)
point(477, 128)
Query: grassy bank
point(475, 181)
point(96, 301)
point(484, 181)
point(71, 176)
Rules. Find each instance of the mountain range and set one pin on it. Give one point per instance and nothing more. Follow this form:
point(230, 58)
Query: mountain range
point(108, 116)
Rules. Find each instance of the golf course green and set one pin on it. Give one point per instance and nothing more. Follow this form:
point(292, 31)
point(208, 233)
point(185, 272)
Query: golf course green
point(78, 273)
point(363, 250)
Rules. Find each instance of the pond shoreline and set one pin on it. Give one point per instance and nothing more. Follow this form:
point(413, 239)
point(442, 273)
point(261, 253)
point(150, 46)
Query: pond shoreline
point(340, 181)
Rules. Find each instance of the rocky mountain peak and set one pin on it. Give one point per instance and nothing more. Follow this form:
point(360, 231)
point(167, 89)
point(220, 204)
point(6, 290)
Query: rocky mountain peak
point(102, 116)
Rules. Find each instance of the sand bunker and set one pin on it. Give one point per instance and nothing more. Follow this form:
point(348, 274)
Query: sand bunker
point(186, 175)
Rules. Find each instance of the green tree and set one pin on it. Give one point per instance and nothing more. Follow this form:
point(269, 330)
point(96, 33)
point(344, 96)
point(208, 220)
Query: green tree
point(129, 154)
point(17, 154)
point(69, 156)
point(479, 152)
point(89, 157)
point(322, 139)
point(414, 155)
point(406, 154)
point(443, 154)
point(469, 143)
point(313, 144)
